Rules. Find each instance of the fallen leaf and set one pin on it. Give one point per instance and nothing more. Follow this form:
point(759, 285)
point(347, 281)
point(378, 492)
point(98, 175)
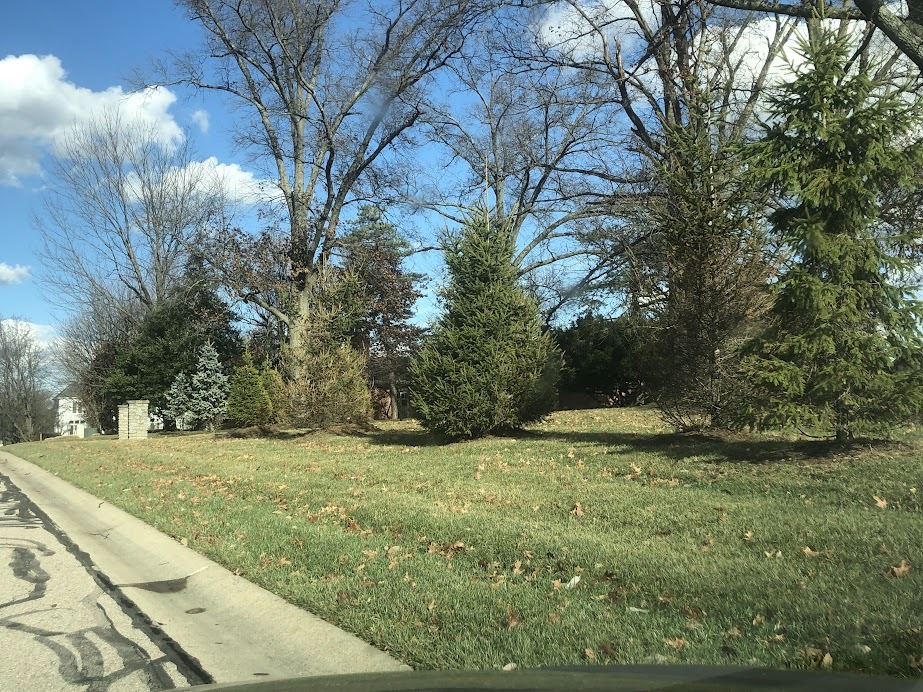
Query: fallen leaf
point(881, 502)
point(900, 570)
point(758, 620)
point(589, 654)
point(748, 535)
point(809, 552)
point(556, 584)
point(665, 598)
point(184, 541)
point(826, 661)
point(632, 609)
point(517, 567)
point(677, 643)
point(554, 617)
point(577, 510)
point(283, 561)
point(509, 666)
point(772, 553)
point(863, 648)
point(734, 632)
point(607, 650)
point(512, 620)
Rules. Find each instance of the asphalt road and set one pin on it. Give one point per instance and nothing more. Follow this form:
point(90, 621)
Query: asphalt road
point(61, 626)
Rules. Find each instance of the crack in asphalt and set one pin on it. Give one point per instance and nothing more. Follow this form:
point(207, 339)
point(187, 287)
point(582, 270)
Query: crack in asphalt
point(80, 658)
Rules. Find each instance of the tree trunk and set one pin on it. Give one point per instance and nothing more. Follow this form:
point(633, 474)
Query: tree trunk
point(392, 381)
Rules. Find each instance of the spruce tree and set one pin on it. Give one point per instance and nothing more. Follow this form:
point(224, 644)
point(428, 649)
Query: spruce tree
point(208, 390)
point(248, 400)
point(177, 400)
point(841, 352)
point(488, 366)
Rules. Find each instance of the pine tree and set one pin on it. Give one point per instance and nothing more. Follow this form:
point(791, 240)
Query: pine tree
point(248, 401)
point(275, 388)
point(177, 400)
point(842, 350)
point(488, 366)
point(375, 251)
point(208, 390)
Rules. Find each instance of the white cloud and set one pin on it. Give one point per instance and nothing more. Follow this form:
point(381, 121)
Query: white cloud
point(38, 104)
point(237, 184)
point(200, 118)
point(12, 274)
point(43, 334)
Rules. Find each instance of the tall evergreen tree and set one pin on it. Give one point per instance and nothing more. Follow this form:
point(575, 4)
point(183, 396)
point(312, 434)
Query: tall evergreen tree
point(376, 252)
point(488, 366)
point(842, 349)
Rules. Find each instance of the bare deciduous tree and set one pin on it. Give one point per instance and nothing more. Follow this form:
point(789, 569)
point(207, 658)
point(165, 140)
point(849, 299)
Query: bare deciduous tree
point(906, 33)
point(25, 410)
point(539, 141)
point(330, 90)
point(121, 208)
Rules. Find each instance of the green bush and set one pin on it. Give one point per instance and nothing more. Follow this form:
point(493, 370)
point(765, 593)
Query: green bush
point(488, 366)
point(248, 401)
point(275, 388)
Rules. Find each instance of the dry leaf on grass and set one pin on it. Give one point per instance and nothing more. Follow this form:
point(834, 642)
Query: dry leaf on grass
point(607, 650)
point(748, 535)
point(512, 620)
point(809, 552)
point(665, 598)
point(900, 570)
point(509, 666)
point(677, 643)
point(589, 654)
point(577, 510)
point(517, 567)
point(881, 502)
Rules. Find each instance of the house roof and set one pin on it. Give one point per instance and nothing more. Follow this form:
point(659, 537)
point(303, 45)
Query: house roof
point(71, 391)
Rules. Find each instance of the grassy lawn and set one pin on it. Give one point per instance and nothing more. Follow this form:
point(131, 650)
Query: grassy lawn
point(743, 551)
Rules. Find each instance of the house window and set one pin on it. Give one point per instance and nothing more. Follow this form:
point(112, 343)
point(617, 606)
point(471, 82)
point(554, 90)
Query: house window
point(74, 407)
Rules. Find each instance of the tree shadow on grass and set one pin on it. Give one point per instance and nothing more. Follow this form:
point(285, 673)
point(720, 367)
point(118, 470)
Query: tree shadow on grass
point(271, 432)
point(738, 448)
point(742, 448)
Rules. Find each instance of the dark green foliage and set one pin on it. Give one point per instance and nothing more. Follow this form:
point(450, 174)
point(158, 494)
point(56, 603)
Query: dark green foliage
point(842, 350)
point(711, 283)
point(488, 366)
point(599, 358)
point(248, 401)
point(375, 251)
point(167, 344)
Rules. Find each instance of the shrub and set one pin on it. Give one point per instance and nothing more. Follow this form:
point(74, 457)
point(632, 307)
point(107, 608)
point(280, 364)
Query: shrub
point(248, 401)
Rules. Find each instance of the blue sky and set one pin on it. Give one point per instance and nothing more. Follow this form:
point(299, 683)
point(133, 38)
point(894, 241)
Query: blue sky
point(80, 52)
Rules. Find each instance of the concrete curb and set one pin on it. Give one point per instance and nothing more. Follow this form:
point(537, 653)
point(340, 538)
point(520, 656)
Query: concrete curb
point(235, 630)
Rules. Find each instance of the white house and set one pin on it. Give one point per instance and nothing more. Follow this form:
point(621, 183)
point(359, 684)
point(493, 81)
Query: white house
point(71, 416)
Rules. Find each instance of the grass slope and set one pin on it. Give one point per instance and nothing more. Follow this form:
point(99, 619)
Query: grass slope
point(743, 551)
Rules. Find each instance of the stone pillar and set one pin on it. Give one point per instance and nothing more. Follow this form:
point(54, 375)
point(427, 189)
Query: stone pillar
point(138, 419)
point(134, 420)
point(123, 422)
